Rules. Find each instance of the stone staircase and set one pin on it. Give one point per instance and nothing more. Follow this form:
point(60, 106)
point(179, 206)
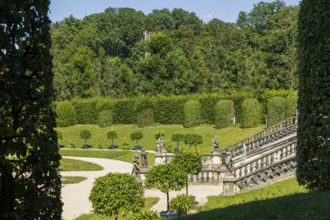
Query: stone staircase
point(262, 158)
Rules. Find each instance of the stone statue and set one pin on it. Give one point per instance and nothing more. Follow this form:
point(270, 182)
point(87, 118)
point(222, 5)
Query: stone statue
point(227, 159)
point(135, 170)
point(144, 158)
point(215, 144)
point(160, 144)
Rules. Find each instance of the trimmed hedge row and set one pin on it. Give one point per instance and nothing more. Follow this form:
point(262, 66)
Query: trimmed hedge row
point(224, 112)
point(159, 109)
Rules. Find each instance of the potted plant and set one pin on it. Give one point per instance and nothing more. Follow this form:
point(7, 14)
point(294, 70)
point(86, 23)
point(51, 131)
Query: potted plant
point(136, 136)
point(85, 134)
point(112, 134)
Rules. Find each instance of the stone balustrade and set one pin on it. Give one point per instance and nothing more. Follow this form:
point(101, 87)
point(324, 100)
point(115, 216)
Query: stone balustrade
point(266, 136)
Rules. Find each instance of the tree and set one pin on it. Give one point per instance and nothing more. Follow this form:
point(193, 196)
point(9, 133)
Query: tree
point(137, 135)
point(159, 134)
point(177, 137)
point(30, 186)
point(313, 151)
point(112, 134)
point(116, 194)
point(193, 139)
point(190, 162)
point(85, 134)
point(165, 177)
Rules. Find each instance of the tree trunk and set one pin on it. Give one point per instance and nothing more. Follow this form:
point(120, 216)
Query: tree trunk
point(168, 201)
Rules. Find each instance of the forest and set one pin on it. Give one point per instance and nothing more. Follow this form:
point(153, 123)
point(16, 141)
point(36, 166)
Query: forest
point(125, 53)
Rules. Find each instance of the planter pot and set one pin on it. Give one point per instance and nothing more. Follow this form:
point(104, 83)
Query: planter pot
point(86, 146)
point(112, 146)
point(137, 147)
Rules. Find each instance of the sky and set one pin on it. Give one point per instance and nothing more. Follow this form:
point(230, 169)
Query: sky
point(225, 10)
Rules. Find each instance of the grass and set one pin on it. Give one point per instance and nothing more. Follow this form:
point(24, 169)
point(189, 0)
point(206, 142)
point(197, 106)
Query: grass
point(121, 155)
point(227, 136)
point(149, 202)
point(78, 165)
point(282, 200)
point(73, 179)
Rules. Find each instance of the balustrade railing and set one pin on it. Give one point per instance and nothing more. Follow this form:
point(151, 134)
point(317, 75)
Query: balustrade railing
point(268, 160)
point(266, 136)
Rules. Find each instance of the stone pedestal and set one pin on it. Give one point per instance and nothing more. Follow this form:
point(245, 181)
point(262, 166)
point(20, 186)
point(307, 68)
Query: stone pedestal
point(229, 185)
point(216, 159)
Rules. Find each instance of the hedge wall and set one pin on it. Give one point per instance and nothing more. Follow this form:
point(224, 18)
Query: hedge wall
point(123, 111)
point(169, 110)
point(224, 111)
point(86, 111)
point(276, 110)
point(251, 113)
point(192, 113)
point(66, 114)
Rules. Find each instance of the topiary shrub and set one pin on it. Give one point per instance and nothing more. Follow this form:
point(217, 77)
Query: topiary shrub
point(169, 110)
point(192, 113)
point(123, 111)
point(251, 113)
point(145, 118)
point(85, 134)
point(224, 113)
point(104, 104)
point(66, 114)
point(276, 110)
point(291, 105)
point(182, 204)
point(105, 118)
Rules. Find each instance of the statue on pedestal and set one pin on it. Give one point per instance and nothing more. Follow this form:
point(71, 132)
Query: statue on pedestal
point(144, 158)
point(136, 169)
point(227, 159)
point(215, 144)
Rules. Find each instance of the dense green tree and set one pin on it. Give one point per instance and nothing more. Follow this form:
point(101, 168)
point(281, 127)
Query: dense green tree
point(313, 151)
point(165, 177)
point(136, 136)
point(30, 185)
point(116, 194)
point(112, 134)
point(85, 134)
point(190, 162)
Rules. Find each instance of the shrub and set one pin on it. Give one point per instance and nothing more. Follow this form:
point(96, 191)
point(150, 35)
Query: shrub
point(112, 134)
point(159, 134)
point(224, 112)
point(291, 105)
point(192, 113)
point(275, 110)
point(66, 114)
point(136, 136)
point(113, 189)
point(208, 101)
point(86, 113)
point(145, 117)
point(148, 215)
point(104, 104)
point(123, 111)
point(182, 204)
point(193, 139)
point(105, 118)
point(251, 113)
point(85, 134)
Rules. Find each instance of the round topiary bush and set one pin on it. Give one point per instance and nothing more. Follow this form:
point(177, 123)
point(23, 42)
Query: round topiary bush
point(224, 113)
point(276, 110)
point(105, 118)
point(66, 114)
point(145, 118)
point(251, 113)
point(192, 113)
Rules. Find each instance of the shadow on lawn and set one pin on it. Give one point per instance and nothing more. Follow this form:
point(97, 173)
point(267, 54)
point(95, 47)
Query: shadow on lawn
point(311, 205)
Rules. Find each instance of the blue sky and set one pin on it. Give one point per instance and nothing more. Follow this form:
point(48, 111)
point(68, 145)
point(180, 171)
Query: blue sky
point(225, 10)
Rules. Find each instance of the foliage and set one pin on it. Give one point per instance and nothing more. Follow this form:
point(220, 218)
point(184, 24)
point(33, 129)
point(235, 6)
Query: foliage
point(145, 117)
point(276, 110)
point(313, 153)
point(177, 137)
point(193, 139)
point(169, 110)
point(136, 136)
point(105, 118)
point(190, 162)
point(251, 113)
point(116, 194)
point(85, 109)
point(145, 214)
point(112, 134)
point(291, 105)
point(65, 114)
point(85, 134)
point(165, 177)
point(159, 134)
point(123, 111)
point(30, 186)
point(224, 112)
point(192, 113)
point(182, 204)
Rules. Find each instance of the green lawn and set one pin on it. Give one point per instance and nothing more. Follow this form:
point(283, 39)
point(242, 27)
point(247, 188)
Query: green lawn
point(149, 202)
point(227, 136)
point(122, 155)
point(78, 165)
point(72, 179)
point(282, 200)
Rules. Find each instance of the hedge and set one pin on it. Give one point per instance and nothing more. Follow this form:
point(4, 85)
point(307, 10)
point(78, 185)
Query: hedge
point(224, 112)
point(86, 111)
point(251, 113)
point(169, 110)
point(123, 111)
point(291, 105)
point(192, 113)
point(145, 117)
point(66, 114)
point(105, 118)
point(276, 110)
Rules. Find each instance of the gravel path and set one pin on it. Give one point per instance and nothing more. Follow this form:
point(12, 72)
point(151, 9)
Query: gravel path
point(75, 196)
